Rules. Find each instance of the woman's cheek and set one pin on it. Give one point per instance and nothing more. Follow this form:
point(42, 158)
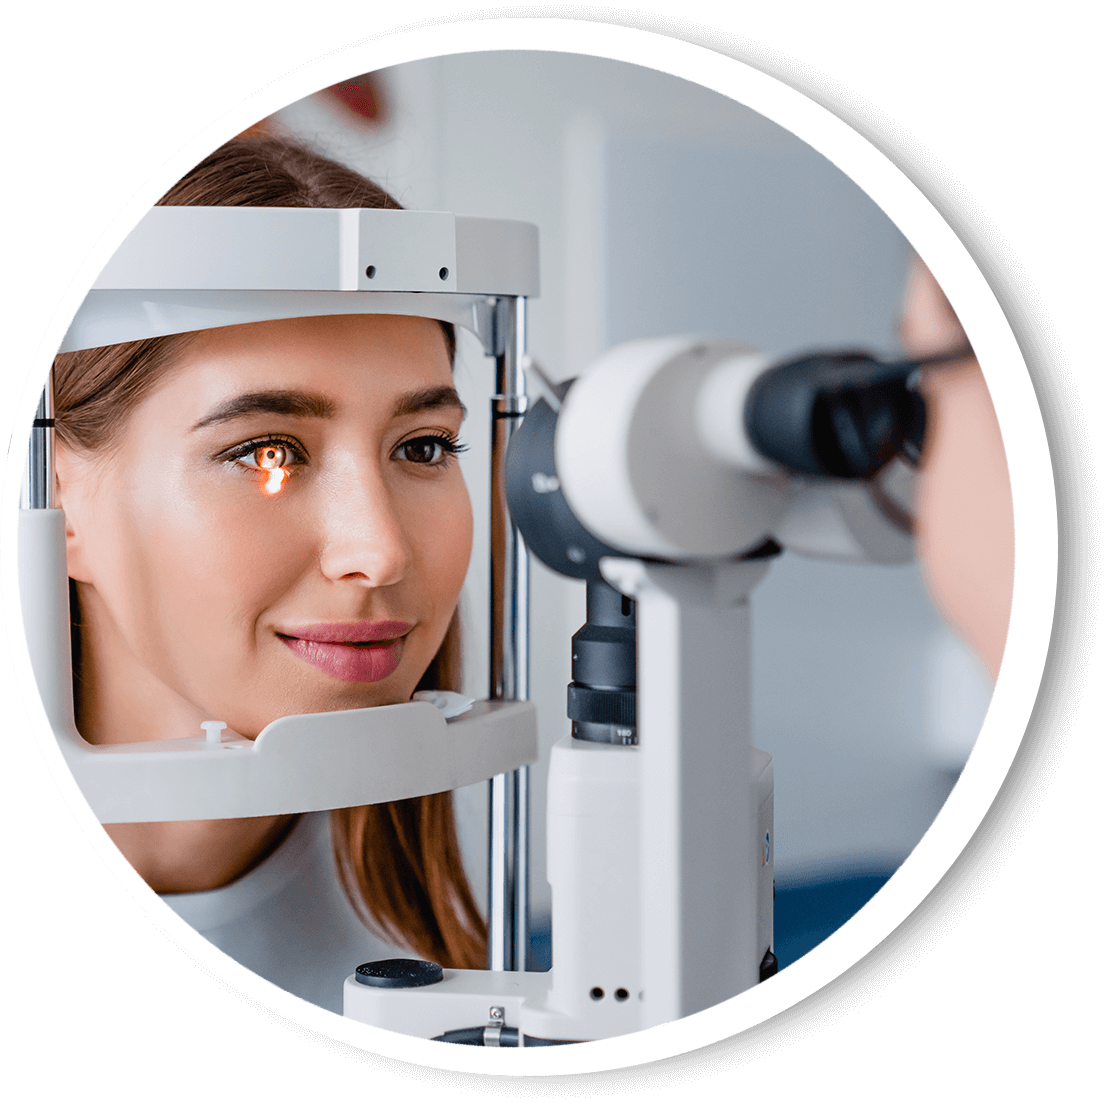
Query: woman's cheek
point(227, 550)
point(457, 544)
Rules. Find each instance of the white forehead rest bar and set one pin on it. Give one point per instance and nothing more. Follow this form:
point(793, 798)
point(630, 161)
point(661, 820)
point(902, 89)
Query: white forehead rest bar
point(188, 268)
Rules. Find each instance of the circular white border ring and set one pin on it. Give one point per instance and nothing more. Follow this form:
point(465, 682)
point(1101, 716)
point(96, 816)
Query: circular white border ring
point(1030, 469)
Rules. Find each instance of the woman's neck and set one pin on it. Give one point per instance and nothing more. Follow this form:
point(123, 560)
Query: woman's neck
point(198, 856)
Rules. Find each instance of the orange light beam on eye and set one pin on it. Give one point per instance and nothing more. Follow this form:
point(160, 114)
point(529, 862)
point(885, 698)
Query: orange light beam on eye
point(275, 482)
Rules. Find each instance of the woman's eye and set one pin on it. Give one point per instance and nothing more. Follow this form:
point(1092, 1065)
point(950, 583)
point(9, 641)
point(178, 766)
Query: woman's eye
point(275, 458)
point(428, 451)
point(268, 457)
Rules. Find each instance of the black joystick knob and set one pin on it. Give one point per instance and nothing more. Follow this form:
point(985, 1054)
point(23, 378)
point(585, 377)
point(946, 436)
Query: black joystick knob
point(399, 972)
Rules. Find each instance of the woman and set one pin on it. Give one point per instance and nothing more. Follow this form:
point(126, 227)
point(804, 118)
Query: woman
point(265, 520)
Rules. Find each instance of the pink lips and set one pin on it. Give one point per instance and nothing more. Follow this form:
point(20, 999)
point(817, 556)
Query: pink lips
point(365, 651)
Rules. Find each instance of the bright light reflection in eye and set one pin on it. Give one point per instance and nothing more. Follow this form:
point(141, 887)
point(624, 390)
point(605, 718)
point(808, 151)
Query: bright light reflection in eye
point(272, 460)
point(275, 481)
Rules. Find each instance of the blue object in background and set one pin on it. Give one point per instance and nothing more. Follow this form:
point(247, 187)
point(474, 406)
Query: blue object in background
point(541, 945)
point(807, 913)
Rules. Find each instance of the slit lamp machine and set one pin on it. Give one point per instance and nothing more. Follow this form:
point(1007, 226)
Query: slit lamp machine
point(667, 476)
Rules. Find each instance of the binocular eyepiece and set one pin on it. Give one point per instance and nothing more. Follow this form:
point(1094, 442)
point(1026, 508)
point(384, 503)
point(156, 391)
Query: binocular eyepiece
point(837, 415)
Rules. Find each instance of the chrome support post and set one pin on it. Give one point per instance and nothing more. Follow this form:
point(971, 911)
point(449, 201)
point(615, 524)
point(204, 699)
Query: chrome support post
point(40, 460)
point(508, 794)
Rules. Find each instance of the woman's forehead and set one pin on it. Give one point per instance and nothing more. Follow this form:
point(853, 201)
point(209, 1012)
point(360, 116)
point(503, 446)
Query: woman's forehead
point(371, 367)
point(353, 340)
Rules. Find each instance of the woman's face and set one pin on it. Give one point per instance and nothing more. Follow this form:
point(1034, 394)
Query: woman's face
point(281, 527)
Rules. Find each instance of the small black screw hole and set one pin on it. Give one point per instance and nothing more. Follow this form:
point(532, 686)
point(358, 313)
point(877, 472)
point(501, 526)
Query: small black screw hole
point(370, 271)
point(443, 273)
point(622, 994)
point(597, 993)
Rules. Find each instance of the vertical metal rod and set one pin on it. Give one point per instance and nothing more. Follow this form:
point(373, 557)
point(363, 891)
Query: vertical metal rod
point(522, 868)
point(509, 673)
point(40, 461)
point(500, 945)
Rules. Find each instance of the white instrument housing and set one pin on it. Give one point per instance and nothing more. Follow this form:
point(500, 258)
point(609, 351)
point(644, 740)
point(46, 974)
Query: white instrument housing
point(653, 458)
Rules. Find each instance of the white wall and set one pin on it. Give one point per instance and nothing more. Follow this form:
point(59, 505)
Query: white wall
point(664, 207)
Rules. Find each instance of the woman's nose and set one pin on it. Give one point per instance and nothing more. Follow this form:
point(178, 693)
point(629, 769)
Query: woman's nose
point(365, 539)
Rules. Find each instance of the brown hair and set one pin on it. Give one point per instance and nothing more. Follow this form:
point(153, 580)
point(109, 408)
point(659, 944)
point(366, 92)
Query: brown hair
point(399, 863)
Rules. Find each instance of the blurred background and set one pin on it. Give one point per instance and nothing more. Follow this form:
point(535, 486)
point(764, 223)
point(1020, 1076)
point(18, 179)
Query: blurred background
point(665, 208)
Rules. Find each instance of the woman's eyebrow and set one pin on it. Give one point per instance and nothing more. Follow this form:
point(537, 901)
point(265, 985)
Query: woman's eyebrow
point(434, 397)
point(291, 403)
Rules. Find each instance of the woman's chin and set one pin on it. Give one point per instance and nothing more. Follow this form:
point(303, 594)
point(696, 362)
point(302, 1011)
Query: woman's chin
point(313, 703)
